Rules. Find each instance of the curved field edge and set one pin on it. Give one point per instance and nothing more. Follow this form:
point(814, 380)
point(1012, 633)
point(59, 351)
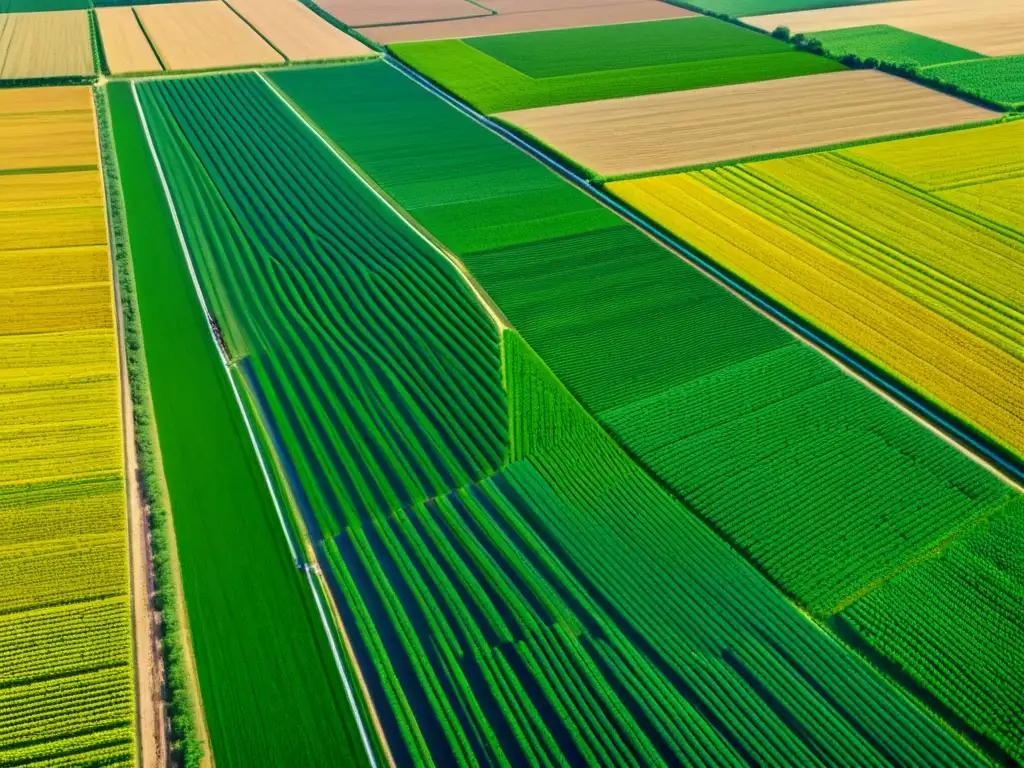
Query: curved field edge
point(227, 532)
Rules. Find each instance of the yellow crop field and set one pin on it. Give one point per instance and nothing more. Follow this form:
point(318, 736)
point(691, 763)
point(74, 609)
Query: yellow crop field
point(932, 297)
point(45, 44)
point(297, 32)
point(63, 520)
point(203, 35)
point(124, 43)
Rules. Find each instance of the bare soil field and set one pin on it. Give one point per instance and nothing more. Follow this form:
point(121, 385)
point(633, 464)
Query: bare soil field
point(990, 27)
point(368, 13)
point(297, 32)
point(530, 21)
point(686, 128)
point(203, 35)
point(124, 43)
point(49, 44)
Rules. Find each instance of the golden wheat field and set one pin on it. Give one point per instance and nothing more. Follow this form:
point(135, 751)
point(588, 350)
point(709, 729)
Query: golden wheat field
point(672, 130)
point(203, 35)
point(63, 520)
point(933, 294)
point(297, 32)
point(45, 44)
point(124, 43)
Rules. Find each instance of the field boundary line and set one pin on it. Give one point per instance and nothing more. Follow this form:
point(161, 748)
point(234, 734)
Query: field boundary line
point(248, 425)
point(492, 309)
point(209, 327)
point(930, 415)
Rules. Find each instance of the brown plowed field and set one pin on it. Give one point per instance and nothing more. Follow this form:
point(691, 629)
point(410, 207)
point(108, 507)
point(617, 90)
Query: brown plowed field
point(297, 32)
point(50, 44)
point(203, 35)
point(124, 43)
point(530, 21)
point(685, 128)
point(990, 27)
point(367, 13)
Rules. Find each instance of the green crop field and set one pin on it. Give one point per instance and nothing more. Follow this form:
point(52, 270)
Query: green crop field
point(598, 300)
point(955, 623)
point(892, 45)
point(1000, 80)
point(270, 689)
point(537, 69)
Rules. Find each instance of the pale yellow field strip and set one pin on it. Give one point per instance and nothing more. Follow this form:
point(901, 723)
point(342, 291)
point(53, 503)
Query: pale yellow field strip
point(706, 125)
point(297, 32)
point(49, 44)
point(124, 43)
point(530, 21)
point(362, 13)
point(203, 35)
point(56, 98)
point(991, 27)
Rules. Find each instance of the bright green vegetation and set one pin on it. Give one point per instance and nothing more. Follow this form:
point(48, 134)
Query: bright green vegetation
point(955, 623)
point(1000, 80)
point(568, 609)
point(757, 7)
point(271, 692)
point(373, 359)
point(536, 69)
point(891, 45)
point(720, 403)
point(579, 51)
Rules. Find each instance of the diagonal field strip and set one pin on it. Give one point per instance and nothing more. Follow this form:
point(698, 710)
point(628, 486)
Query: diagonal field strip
point(252, 436)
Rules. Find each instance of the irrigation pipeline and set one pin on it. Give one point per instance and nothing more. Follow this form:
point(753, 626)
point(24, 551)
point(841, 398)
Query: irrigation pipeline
point(962, 436)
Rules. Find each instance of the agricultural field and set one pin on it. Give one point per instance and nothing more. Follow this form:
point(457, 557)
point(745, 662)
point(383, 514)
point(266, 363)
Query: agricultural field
point(916, 276)
point(296, 32)
point(42, 46)
point(538, 69)
point(203, 35)
point(124, 43)
point(370, 13)
point(463, 500)
point(66, 679)
point(989, 27)
point(530, 18)
point(641, 134)
point(270, 689)
point(736, 8)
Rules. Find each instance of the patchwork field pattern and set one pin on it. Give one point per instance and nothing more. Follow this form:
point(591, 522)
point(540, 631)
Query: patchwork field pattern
point(66, 681)
point(989, 27)
point(530, 17)
point(54, 44)
point(296, 32)
point(203, 35)
point(750, 7)
point(270, 690)
point(912, 274)
point(470, 553)
point(537, 69)
point(687, 128)
point(596, 299)
point(368, 13)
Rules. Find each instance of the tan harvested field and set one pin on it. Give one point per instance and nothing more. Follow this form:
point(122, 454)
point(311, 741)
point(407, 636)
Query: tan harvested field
point(530, 21)
point(990, 27)
point(203, 35)
point(529, 6)
point(297, 32)
point(50, 44)
point(124, 43)
point(46, 128)
point(686, 128)
point(367, 13)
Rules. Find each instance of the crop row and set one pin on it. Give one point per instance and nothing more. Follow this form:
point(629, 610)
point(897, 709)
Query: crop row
point(66, 683)
point(567, 608)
